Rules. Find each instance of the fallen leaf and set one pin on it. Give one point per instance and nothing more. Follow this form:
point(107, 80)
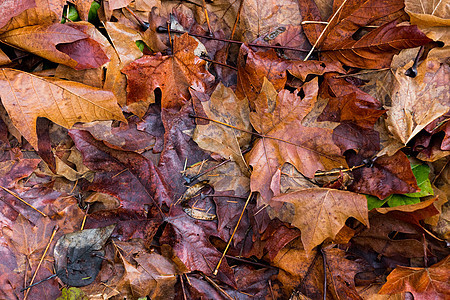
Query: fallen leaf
point(416, 102)
point(253, 67)
point(285, 139)
point(320, 213)
point(373, 50)
point(78, 255)
point(65, 102)
point(172, 74)
point(388, 175)
point(124, 51)
point(347, 103)
point(126, 175)
point(59, 43)
point(12, 8)
point(226, 108)
point(189, 239)
point(42, 13)
point(423, 283)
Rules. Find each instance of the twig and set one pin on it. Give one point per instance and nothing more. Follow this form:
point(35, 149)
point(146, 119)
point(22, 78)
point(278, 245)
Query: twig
point(219, 63)
point(207, 17)
point(142, 23)
point(250, 262)
point(232, 235)
point(207, 171)
point(162, 29)
point(182, 287)
point(324, 257)
point(324, 30)
point(217, 287)
point(425, 256)
point(55, 229)
point(85, 216)
point(17, 197)
point(271, 290)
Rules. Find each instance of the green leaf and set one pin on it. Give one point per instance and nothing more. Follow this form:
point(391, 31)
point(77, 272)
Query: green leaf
point(72, 15)
point(397, 200)
point(421, 173)
point(93, 11)
point(374, 202)
point(72, 293)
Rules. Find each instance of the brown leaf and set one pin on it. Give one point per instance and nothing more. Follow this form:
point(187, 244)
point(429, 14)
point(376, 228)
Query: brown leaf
point(253, 67)
point(388, 175)
point(301, 69)
point(124, 52)
point(59, 43)
point(373, 50)
point(172, 74)
point(44, 12)
point(347, 103)
point(416, 102)
point(320, 213)
point(226, 108)
point(10, 9)
point(423, 283)
point(27, 97)
point(286, 139)
point(189, 240)
point(260, 17)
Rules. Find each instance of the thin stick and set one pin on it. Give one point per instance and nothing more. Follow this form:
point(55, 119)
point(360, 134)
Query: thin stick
point(162, 29)
point(231, 238)
point(55, 229)
point(207, 17)
point(85, 216)
point(143, 25)
point(324, 274)
point(324, 30)
point(425, 256)
point(250, 262)
point(17, 196)
point(182, 286)
point(219, 63)
point(217, 287)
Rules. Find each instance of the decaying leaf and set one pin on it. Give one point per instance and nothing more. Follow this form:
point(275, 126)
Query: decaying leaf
point(78, 255)
point(27, 97)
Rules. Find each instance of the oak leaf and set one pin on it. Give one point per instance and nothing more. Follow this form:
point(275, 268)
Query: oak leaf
point(172, 74)
point(320, 213)
point(423, 283)
point(278, 118)
point(27, 97)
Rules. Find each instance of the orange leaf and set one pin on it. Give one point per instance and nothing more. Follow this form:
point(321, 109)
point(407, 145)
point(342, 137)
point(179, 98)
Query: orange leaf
point(423, 283)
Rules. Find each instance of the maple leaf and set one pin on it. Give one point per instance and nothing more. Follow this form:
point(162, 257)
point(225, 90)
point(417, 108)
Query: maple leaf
point(279, 119)
point(423, 283)
point(320, 213)
point(172, 74)
point(27, 97)
point(59, 43)
point(376, 48)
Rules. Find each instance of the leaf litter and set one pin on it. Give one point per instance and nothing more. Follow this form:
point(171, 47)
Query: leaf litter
point(226, 150)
